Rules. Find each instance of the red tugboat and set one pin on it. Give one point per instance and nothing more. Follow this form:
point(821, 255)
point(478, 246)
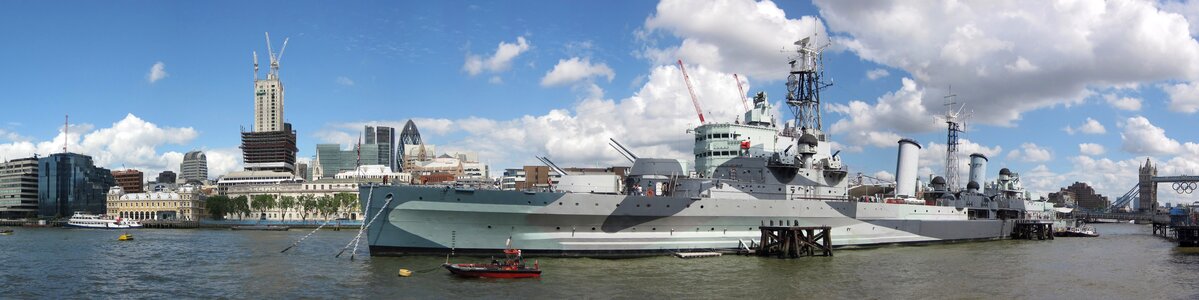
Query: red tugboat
point(513, 266)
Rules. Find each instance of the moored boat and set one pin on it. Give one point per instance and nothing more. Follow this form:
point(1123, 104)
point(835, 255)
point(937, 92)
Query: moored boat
point(101, 222)
point(513, 266)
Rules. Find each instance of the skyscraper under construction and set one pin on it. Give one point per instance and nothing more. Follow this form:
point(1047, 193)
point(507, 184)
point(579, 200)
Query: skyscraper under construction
point(271, 145)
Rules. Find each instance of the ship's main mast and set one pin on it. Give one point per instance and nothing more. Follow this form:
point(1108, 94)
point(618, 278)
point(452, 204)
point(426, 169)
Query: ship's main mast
point(804, 85)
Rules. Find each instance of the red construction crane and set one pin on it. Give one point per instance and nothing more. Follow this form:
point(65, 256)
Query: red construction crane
point(744, 99)
point(691, 90)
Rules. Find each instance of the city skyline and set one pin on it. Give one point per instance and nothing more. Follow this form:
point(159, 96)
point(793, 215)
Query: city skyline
point(512, 83)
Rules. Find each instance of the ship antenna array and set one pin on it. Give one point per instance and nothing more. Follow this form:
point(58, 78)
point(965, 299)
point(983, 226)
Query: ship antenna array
point(955, 122)
point(804, 84)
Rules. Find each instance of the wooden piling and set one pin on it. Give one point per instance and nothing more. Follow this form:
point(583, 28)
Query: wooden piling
point(795, 241)
point(1032, 230)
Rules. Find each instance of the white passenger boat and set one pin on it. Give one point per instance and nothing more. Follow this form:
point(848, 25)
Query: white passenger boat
point(101, 221)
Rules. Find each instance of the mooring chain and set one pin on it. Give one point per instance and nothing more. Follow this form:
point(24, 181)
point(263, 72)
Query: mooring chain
point(370, 195)
point(318, 228)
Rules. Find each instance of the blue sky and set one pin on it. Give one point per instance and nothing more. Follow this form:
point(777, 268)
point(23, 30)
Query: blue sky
point(1024, 77)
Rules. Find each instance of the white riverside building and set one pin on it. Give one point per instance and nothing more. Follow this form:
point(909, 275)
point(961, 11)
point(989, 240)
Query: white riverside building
point(280, 184)
point(328, 187)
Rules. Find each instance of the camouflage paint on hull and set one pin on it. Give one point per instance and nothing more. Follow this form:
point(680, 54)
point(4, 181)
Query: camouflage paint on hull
point(438, 220)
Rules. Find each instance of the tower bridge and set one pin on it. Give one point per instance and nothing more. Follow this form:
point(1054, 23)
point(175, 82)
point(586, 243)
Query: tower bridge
point(1144, 194)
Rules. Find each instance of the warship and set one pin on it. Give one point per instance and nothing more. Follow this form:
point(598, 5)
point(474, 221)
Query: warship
point(749, 173)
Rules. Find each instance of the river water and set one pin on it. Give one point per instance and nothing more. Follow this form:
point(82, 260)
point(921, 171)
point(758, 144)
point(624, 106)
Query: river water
point(1126, 262)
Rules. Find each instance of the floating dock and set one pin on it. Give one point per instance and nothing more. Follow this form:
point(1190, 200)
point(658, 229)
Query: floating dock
point(696, 254)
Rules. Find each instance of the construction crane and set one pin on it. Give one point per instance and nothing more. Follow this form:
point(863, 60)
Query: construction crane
point(744, 99)
point(274, 66)
point(694, 100)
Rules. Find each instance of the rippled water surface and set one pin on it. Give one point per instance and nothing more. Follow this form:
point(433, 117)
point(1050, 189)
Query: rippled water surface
point(1125, 263)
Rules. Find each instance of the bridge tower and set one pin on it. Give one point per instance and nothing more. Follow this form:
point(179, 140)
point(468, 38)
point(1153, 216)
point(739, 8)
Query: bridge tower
point(1148, 188)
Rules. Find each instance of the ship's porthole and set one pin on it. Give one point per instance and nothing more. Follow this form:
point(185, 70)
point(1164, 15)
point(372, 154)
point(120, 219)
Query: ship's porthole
point(617, 204)
point(648, 205)
point(668, 206)
point(559, 203)
point(638, 205)
point(701, 206)
point(654, 229)
point(459, 199)
point(592, 228)
point(420, 198)
point(488, 226)
point(576, 204)
point(713, 229)
point(530, 202)
point(557, 228)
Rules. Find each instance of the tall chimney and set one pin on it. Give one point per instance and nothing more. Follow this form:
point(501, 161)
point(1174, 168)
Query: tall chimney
point(905, 168)
point(978, 170)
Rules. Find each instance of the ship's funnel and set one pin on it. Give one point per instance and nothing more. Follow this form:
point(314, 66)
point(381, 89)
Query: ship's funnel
point(905, 168)
point(978, 169)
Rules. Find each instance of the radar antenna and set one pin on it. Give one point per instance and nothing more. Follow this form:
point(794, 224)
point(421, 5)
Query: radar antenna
point(955, 121)
point(804, 84)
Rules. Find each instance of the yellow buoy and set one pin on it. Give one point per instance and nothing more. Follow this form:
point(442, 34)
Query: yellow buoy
point(125, 237)
point(404, 273)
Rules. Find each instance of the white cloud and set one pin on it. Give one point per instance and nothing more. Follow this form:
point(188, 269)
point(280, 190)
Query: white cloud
point(1089, 127)
point(1184, 97)
point(877, 124)
point(1091, 149)
point(579, 135)
point(1030, 152)
point(1142, 137)
point(1188, 9)
point(884, 175)
point(157, 72)
point(346, 81)
point(128, 143)
point(221, 161)
point(501, 60)
point(728, 36)
point(1009, 57)
point(575, 69)
point(1123, 103)
point(877, 73)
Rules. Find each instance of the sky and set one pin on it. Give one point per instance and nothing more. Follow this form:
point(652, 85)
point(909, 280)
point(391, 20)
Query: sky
point(1058, 91)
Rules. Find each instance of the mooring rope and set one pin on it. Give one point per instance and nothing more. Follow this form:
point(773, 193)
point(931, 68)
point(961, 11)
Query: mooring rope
point(306, 236)
point(365, 225)
point(369, 196)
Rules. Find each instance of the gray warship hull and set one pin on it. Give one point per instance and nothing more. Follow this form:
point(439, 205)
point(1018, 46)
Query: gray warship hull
point(443, 220)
